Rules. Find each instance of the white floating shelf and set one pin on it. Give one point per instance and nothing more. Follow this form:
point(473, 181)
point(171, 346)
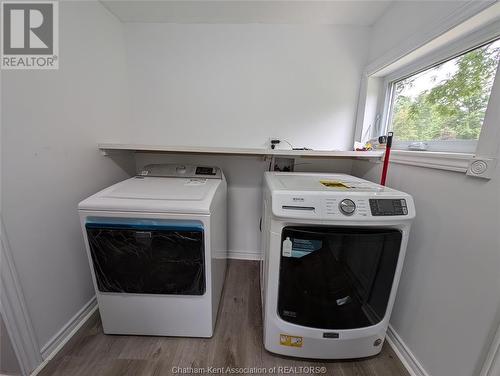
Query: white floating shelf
point(108, 147)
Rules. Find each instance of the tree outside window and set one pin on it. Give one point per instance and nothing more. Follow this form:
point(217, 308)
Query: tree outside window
point(447, 101)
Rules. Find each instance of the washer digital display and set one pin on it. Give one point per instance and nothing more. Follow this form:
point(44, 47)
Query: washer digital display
point(382, 207)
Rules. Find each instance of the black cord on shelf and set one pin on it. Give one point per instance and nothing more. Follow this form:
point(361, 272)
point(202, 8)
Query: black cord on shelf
point(275, 142)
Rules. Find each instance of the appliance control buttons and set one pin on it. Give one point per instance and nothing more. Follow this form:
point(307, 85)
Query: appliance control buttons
point(347, 206)
point(181, 169)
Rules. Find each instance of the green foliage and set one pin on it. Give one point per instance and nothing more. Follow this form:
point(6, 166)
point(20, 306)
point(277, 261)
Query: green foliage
point(452, 109)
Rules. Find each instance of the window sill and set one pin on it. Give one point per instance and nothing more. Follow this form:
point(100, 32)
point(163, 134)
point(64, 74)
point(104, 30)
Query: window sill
point(458, 162)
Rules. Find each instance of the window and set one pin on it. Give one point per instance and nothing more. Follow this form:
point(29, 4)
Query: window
point(442, 108)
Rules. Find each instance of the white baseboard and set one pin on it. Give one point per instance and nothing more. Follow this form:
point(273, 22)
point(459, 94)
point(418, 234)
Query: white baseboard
point(61, 338)
point(244, 255)
point(14, 311)
point(404, 354)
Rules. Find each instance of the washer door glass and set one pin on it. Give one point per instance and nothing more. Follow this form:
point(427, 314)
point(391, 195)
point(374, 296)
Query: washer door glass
point(147, 256)
point(336, 277)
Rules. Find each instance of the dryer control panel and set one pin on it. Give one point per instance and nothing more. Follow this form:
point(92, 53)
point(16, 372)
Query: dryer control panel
point(180, 171)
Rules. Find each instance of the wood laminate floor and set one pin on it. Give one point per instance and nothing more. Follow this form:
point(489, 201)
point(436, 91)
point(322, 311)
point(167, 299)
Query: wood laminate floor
point(237, 342)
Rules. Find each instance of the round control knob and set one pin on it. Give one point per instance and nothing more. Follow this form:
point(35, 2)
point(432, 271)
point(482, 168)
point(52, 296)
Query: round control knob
point(347, 206)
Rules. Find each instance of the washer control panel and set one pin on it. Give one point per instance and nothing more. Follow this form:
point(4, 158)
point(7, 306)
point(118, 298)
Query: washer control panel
point(341, 207)
point(346, 207)
point(383, 207)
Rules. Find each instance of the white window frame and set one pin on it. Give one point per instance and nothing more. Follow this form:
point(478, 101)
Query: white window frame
point(472, 25)
point(470, 42)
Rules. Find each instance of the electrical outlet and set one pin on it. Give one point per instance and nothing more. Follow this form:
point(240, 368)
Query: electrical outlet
point(283, 164)
point(276, 145)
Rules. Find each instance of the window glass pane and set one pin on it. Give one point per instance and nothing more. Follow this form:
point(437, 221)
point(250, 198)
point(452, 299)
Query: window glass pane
point(446, 102)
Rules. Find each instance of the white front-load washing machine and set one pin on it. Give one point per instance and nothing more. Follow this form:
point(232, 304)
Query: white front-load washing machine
point(334, 247)
point(156, 245)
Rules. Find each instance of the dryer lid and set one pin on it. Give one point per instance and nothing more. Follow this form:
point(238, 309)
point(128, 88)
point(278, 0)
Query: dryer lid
point(156, 188)
point(156, 195)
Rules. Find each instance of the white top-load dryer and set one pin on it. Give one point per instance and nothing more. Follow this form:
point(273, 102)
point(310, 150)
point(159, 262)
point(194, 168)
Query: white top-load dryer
point(334, 247)
point(156, 244)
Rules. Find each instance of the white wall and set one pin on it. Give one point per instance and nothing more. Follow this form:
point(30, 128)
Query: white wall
point(404, 19)
point(239, 85)
point(51, 121)
point(447, 307)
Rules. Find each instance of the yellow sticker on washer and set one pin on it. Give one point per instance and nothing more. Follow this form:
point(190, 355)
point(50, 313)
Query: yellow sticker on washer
point(293, 341)
point(334, 184)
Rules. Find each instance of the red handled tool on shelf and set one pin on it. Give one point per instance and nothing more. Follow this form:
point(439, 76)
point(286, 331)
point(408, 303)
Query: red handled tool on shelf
point(386, 158)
